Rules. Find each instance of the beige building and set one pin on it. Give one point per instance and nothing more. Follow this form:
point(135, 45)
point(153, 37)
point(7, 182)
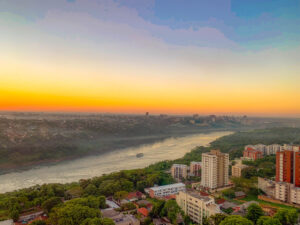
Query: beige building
point(214, 171)
point(295, 195)
point(236, 170)
point(179, 171)
point(282, 191)
point(267, 186)
point(287, 192)
point(195, 168)
point(196, 206)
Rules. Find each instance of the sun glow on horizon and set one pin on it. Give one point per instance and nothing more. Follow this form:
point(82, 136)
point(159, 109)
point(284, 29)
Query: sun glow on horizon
point(67, 57)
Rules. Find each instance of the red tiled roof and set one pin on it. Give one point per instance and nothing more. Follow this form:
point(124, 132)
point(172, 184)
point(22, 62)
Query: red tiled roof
point(137, 194)
point(204, 193)
point(170, 197)
point(220, 201)
point(143, 211)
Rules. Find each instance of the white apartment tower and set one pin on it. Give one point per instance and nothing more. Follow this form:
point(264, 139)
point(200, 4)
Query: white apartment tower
point(215, 166)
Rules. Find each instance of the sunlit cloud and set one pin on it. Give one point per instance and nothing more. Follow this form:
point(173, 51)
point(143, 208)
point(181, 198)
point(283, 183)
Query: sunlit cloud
point(89, 55)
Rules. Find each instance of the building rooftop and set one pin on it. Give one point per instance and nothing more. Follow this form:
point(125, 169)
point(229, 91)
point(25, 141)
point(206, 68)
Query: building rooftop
point(199, 196)
point(227, 205)
point(180, 165)
point(7, 222)
point(109, 213)
point(194, 162)
point(178, 185)
point(239, 194)
point(143, 211)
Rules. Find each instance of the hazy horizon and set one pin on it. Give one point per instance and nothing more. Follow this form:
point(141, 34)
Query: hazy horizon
point(157, 114)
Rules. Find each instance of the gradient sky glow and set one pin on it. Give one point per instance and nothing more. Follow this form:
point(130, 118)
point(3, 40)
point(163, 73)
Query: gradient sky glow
point(161, 56)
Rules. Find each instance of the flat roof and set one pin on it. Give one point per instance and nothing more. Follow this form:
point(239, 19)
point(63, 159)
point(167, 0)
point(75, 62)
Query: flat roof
point(198, 196)
point(168, 186)
point(180, 165)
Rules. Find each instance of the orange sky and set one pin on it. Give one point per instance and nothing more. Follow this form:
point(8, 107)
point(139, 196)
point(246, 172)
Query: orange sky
point(135, 72)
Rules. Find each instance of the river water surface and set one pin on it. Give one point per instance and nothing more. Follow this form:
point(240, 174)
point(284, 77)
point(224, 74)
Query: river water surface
point(87, 167)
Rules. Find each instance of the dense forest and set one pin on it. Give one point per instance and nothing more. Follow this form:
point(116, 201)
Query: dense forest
point(27, 140)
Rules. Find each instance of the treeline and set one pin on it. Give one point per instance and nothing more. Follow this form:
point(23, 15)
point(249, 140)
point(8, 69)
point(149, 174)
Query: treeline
point(14, 203)
point(234, 144)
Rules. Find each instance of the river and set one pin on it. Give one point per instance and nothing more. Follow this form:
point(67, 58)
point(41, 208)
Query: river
point(87, 167)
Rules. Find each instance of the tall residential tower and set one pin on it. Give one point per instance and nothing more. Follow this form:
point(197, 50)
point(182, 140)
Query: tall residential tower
point(215, 167)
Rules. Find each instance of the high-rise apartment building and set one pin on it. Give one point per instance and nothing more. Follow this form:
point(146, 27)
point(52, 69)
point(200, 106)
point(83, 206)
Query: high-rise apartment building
point(196, 206)
point(214, 171)
point(252, 154)
point(297, 168)
point(195, 168)
point(284, 166)
point(179, 171)
point(287, 187)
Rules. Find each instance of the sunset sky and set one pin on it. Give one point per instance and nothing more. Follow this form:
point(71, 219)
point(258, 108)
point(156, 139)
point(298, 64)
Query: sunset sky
point(162, 56)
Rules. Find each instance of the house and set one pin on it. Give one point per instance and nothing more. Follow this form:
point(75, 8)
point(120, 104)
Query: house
point(161, 222)
point(227, 205)
point(134, 196)
point(143, 211)
point(29, 217)
point(242, 209)
point(240, 194)
point(220, 201)
point(112, 204)
point(144, 203)
point(119, 218)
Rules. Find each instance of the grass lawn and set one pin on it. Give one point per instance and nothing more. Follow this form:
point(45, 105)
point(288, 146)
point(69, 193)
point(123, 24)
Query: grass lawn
point(254, 198)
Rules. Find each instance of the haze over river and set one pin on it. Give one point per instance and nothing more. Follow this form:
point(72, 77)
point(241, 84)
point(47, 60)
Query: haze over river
point(65, 172)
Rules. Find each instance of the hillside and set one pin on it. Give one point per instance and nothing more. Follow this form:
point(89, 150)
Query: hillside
point(29, 139)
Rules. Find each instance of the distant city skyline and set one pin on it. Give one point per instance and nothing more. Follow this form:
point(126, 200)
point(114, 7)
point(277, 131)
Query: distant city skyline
point(137, 56)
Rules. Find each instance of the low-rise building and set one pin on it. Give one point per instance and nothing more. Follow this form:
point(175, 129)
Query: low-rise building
point(179, 171)
point(239, 194)
point(267, 186)
point(236, 170)
point(134, 196)
point(160, 221)
point(195, 168)
point(7, 222)
point(166, 190)
point(143, 212)
point(196, 206)
point(119, 218)
point(242, 209)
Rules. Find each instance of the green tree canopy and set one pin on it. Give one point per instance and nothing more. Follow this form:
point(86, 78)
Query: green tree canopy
point(38, 222)
point(50, 203)
point(236, 220)
point(216, 219)
point(267, 220)
point(73, 214)
point(287, 216)
point(254, 211)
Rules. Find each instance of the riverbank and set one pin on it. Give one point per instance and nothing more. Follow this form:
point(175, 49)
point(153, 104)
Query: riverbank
point(125, 159)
